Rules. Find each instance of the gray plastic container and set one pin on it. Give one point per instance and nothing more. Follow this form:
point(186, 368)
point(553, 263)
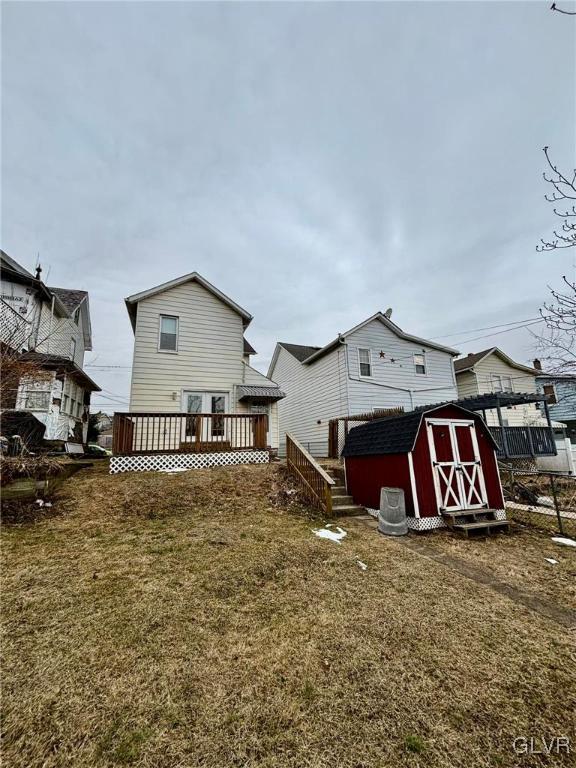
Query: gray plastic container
point(392, 514)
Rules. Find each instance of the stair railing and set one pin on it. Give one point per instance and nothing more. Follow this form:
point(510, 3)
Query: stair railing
point(315, 484)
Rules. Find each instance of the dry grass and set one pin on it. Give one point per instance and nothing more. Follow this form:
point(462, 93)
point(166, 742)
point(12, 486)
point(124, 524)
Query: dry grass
point(188, 620)
point(519, 559)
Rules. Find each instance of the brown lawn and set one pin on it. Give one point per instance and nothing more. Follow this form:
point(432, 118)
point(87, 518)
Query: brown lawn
point(188, 620)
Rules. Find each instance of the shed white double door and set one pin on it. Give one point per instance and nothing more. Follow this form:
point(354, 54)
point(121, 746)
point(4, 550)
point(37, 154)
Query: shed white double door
point(208, 403)
point(456, 464)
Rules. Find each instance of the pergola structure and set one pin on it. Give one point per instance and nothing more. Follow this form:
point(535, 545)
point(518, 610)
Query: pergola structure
point(515, 442)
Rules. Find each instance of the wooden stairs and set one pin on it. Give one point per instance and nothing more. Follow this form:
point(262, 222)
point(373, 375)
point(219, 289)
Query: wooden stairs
point(342, 503)
point(475, 522)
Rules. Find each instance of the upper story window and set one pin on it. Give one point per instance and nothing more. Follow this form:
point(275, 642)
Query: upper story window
point(77, 315)
point(365, 362)
point(501, 383)
point(550, 390)
point(420, 364)
point(72, 349)
point(168, 340)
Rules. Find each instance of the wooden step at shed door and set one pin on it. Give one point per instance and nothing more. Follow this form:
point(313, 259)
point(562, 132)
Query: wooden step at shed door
point(479, 522)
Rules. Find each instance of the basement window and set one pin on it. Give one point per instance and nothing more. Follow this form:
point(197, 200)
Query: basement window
point(365, 362)
point(168, 338)
point(420, 364)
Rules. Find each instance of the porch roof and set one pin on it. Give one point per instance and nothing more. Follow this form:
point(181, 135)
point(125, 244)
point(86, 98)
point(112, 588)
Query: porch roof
point(270, 394)
point(63, 365)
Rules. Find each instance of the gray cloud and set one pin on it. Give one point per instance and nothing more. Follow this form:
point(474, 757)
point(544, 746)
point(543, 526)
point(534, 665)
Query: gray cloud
point(315, 161)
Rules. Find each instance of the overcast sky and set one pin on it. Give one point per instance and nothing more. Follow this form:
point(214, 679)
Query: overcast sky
point(315, 161)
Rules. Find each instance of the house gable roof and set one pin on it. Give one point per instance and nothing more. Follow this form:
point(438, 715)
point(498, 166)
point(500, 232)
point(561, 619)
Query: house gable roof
point(469, 362)
point(307, 355)
point(132, 301)
point(248, 348)
point(71, 299)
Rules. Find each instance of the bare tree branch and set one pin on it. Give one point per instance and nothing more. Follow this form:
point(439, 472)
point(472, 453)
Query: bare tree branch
point(560, 10)
point(563, 188)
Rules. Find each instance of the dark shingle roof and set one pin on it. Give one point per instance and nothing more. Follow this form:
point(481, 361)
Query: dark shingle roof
point(395, 434)
point(69, 297)
point(470, 360)
point(248, 348)
point(299, 351)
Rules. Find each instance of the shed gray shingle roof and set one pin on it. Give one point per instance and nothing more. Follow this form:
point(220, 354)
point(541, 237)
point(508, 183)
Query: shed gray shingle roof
point(394, 434)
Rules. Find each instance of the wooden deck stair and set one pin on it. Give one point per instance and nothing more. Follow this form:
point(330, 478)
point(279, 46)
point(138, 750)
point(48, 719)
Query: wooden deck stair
point(479, 522)
point(342, 503)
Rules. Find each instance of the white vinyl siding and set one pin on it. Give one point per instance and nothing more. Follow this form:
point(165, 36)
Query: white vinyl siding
point(395, 382)
point(495, 375)
point(210, 348)
point(314, 393)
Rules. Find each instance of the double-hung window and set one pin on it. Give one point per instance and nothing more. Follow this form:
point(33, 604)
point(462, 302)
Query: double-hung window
point(420, 364)
point(550, 390)
point(168, 339)
point(365, 362)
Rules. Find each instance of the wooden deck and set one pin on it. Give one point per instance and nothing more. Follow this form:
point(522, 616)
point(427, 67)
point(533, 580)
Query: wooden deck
point(149, 433)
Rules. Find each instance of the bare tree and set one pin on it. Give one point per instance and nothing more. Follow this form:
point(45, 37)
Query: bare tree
point(558, 342)
point(562, 189)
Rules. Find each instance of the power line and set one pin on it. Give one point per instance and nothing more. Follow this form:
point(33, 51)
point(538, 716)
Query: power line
point(486, 328)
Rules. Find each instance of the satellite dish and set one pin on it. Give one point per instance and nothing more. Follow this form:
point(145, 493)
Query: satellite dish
point(388, 313)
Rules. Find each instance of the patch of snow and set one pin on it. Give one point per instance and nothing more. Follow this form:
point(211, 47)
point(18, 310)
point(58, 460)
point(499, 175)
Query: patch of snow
point(551, 560)
point(545, 501)
point(563, 540)
point(326, 533)
point(361, 565)
point(174, 470)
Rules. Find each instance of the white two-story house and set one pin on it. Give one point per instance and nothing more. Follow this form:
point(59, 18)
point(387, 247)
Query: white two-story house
point(191, 357)
point(50, 329)
point(373, 366)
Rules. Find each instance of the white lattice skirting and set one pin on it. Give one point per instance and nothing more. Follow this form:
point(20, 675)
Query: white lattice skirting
point(430, 523)
point(173, 461)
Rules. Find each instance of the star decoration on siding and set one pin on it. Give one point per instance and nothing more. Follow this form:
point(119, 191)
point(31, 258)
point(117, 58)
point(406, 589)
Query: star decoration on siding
point(382, 354)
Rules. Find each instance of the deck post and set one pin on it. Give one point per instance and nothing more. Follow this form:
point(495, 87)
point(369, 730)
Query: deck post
point(502, 429)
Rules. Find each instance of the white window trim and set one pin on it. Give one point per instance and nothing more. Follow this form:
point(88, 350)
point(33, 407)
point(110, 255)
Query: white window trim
point(420, 354)
point(173, 317)
point(493, 378)
point(364, 349)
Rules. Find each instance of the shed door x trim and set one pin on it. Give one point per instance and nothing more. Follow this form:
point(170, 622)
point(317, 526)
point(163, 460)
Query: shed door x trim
point(456, 465)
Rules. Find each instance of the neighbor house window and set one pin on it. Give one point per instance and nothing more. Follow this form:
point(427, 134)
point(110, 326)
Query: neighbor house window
point(72, 349)
point(501, 383)
point(168, 334)
point(365, 362)
point(550, 390)
point(420, 364)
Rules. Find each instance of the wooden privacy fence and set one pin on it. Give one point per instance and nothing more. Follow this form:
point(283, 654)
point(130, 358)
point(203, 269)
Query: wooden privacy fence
point(339, 428)
point(315, 483)
point(135, 433)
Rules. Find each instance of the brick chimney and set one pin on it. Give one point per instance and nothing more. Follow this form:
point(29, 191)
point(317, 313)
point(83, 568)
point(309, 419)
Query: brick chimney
point(537, 364)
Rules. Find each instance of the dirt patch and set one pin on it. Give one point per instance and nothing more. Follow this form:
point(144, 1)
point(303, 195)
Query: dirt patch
point(187, 620)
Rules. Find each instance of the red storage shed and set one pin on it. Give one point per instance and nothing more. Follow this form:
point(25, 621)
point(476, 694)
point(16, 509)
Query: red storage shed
point(443, 457)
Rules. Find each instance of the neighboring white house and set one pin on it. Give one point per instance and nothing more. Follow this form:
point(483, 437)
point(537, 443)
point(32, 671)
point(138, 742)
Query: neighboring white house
point(375, 365)
point(190, 354)
point(50, 327)
point(493, 371)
